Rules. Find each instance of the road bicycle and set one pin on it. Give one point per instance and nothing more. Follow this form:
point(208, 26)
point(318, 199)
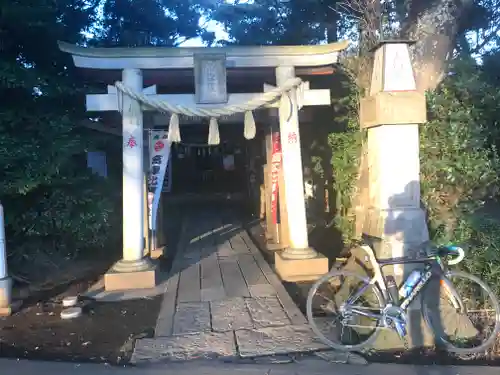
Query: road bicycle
point(376, 302)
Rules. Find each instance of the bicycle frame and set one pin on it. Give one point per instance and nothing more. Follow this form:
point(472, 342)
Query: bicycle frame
point(378, 280)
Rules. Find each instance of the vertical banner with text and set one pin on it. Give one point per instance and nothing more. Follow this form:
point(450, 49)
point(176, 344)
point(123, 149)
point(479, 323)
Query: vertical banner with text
point(159, 178)
point(275, 170)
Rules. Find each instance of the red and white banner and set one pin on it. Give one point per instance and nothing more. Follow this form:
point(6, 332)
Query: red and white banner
point(275, 170)
point(159, 152)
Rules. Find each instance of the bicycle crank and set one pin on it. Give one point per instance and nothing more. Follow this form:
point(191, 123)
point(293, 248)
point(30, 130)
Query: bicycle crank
point(394, 317)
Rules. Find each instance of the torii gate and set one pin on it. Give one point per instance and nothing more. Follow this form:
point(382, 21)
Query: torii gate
point(210, 67)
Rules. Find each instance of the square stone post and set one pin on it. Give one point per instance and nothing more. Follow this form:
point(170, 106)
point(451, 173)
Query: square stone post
point(134, 271)
point(298, 262)
point(392, 220)
point(391, 113)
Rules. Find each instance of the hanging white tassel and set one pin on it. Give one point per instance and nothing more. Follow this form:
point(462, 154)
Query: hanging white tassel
point(213, 132)
point(174, 131)
point(249, 129)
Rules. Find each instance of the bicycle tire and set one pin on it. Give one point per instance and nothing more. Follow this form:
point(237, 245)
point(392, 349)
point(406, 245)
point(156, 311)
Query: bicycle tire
point(441, 340)
point(317, 331)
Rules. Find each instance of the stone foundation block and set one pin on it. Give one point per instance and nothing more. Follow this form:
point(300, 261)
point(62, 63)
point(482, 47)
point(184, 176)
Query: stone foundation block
point(5, 311)
point(271, 246)
point(145, 279)
point(156, 253)
point(295, 270)
point(5, 296)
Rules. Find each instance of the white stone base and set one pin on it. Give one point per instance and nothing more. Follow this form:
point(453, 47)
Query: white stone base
point(5, 296)
point(141, 278)
point(296, 270)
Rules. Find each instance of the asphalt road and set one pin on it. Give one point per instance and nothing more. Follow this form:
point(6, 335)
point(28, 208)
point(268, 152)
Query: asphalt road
point(306, 367)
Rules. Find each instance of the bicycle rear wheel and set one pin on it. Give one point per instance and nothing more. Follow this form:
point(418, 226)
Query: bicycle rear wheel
point(479, 318)
point(333, 322)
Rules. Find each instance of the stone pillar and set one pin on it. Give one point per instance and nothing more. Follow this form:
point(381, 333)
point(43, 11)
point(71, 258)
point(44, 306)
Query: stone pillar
point(298, 262)
point(134, 271)
point(393, 222)
point(133, 170)
point(5, 280)
point(146, 219)
point(391, 113)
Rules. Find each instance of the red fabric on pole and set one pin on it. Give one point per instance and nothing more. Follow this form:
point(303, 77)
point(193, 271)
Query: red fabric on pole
point(275, 169)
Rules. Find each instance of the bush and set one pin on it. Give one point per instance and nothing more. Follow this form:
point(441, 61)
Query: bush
point(345, 143)
point(77, 215)
point(459, 166)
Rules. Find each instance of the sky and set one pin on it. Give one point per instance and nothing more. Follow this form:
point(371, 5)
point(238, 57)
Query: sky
point(209, 25)
point(212, 26)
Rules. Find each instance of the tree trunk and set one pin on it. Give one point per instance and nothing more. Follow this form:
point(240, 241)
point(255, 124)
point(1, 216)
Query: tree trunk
point(370, 12)
point(433, 25)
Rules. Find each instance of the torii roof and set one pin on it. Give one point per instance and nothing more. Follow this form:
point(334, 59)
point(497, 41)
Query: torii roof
point(165, 65)
point(180, 57)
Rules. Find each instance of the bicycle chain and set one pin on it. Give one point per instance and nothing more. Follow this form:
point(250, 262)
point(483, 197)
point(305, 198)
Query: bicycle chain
point(406, 345)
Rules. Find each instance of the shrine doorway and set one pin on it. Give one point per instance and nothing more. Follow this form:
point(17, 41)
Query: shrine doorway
point(200, 169)
point(203, 169)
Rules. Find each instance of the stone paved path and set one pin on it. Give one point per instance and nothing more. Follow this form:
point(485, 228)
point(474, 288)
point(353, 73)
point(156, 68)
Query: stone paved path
point(223, 300)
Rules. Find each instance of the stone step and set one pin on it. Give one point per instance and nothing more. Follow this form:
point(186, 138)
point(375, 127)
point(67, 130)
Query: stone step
point(243, 343)
point(204, 345)
point(277, 340)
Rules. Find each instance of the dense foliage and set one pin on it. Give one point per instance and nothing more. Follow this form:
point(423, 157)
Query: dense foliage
point(135, 23)
point(54, 207)
point(43, 190)
point(460, 166)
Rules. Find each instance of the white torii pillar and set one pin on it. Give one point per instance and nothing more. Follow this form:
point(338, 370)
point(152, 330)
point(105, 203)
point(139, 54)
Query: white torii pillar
point(134, 271)
point(5, 280)
point(299, 262)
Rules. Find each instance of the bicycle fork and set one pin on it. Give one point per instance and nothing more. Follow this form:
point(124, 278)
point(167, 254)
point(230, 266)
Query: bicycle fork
point(452, 294)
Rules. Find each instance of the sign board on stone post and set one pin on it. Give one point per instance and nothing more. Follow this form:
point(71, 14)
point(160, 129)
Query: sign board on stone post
point(210, 78)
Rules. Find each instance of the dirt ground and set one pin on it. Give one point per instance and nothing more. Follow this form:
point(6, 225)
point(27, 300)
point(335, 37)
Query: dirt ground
point(104, 333)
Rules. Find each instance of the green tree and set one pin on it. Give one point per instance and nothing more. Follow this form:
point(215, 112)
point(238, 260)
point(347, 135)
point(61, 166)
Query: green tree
point(133, 23)
point(265, 22)
point(50, 201)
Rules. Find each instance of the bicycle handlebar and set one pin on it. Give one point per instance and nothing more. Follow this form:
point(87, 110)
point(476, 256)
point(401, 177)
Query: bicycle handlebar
point(461, 255)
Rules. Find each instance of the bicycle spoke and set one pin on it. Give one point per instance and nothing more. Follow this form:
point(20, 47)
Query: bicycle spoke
point(334, 319)
point(471, 328)
point(353, 298)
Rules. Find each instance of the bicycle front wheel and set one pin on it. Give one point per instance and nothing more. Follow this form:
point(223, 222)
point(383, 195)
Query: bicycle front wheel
point(336, 322)
point(478, 317)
